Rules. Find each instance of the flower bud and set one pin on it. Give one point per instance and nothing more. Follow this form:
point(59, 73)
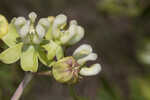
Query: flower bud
point(3, 26)
point(93, 70)
point(73, 22)
point(66, 70)
point(32, 16)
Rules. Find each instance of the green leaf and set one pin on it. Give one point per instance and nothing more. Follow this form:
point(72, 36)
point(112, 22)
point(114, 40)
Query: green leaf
point(29, 59)
point(11, 54)
point(11, 36)
point(59, 53)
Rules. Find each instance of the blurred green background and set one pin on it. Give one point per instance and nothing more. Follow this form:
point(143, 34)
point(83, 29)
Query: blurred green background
point(118, 30)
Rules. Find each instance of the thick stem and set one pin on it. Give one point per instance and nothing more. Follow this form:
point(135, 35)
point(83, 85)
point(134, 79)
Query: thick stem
point(21, 86)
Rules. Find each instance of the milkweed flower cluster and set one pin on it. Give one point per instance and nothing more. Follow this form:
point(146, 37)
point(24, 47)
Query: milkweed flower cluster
point(44, 42)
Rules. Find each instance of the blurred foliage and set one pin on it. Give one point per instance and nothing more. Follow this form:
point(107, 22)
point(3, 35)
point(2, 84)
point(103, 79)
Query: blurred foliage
point(120, 7)
point(109, 91)
point(140, 88)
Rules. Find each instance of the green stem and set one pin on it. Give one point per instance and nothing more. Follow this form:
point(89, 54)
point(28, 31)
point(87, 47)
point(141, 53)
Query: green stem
point(73, 92)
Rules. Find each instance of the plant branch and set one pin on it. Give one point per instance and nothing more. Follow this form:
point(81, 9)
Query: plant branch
point(21, 86)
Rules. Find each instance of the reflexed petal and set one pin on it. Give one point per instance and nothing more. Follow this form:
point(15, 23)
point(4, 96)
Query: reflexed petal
point(3, 26)
point(40, 31)
point(25, 29)
point(45, 22)
point(83, 49)
point(59, 22)
point(90, 57)
point(79, 35)
point(11, 54)
point(19, 21)
point(69, 34)
point(29, 59)
point(11, 36)
point(93, 70)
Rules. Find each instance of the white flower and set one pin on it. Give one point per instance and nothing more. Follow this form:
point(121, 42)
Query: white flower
point(93, 70)
point(83, 54)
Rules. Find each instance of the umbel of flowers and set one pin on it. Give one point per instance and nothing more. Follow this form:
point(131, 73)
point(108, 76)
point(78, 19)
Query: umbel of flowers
point(45, 41)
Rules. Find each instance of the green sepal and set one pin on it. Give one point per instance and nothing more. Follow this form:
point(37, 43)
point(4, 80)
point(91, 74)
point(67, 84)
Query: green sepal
point(48, 35)
point(43, 56)
point(29, 59)
point(11, 54)
point(11, 37)
point(51, 49)
point(3, 26)
point(59, 53)
point(61, 70)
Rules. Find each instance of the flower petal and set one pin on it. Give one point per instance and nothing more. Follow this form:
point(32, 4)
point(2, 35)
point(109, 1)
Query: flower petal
point(79, 35)
point(29, 59)
point(40, 31)
point(59, 22)
point(19, 21)
point(82, 51)
point(90, 57)
point(11, 54)
point(25, 29)
point(93, 70)
point(68, 35)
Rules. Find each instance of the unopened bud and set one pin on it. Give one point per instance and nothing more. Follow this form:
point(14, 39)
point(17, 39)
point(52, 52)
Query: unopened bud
point(66, 70)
